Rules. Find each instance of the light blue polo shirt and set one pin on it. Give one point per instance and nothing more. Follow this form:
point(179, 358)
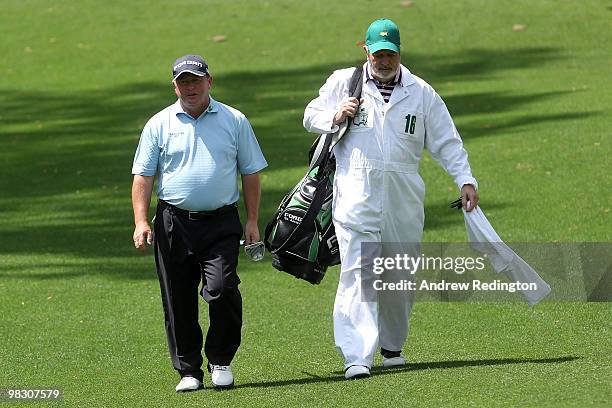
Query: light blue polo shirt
point(197, 161)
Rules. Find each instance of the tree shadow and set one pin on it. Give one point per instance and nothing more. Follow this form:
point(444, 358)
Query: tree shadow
point(434, 365)
point(67, 155)
point(480, 63)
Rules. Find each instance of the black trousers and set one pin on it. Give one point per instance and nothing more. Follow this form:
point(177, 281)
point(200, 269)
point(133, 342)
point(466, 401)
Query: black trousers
point(188, 252)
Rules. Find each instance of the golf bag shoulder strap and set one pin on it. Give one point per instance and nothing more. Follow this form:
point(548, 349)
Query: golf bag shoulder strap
point(356, 82)
point(354, 87)
point(322, 150)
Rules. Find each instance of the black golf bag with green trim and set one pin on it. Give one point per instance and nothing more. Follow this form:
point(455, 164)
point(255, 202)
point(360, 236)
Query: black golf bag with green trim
point(301, 235)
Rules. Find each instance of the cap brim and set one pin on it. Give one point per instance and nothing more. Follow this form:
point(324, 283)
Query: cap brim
point(383, 45)
point(198, 73)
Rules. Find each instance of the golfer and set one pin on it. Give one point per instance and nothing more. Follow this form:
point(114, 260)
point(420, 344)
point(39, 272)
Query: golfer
point(378, 193)
point(196, 147)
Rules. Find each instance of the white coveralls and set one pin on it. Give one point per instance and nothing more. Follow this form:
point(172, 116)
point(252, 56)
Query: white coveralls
point(379, 194)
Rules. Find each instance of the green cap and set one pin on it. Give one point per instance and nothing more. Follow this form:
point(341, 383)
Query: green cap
point(383, 34)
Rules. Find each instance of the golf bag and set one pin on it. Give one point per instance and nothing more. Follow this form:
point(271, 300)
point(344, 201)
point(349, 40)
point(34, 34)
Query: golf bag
point(301, 235)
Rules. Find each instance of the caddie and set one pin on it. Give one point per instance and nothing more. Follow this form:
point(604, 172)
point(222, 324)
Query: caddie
point(378, 192)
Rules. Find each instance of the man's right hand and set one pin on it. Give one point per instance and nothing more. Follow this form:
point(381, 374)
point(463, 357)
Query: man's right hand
point(348, 108)
point(141, 197)
point(143, 237)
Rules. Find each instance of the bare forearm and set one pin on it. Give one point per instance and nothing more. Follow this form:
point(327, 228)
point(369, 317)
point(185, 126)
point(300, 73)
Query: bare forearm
point(251, 191)
point(142, 188)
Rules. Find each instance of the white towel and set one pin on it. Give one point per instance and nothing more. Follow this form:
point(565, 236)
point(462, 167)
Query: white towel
point(484, 239)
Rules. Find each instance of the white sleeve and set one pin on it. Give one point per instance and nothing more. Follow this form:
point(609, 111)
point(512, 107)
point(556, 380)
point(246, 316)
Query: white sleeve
point(444, 143)
point(319, 114)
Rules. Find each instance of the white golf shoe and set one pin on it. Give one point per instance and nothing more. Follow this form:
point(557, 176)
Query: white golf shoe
point(189, 384)
point(394, 361)
point(356, 371)
point(221, 376)
point(392, 358)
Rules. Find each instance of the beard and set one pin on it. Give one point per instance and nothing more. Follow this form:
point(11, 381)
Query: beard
point(383, 74)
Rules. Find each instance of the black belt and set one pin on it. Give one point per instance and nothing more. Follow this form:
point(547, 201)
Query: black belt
point(200, 215)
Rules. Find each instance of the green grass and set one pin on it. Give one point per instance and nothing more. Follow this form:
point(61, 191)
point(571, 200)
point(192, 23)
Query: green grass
point(81, 309)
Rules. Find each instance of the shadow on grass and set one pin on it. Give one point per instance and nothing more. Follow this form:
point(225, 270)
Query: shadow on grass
point(434, 365)
point(66, 156)
point(439, 215)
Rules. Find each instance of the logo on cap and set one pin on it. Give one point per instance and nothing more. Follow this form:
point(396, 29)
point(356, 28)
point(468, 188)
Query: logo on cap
point(188, 62)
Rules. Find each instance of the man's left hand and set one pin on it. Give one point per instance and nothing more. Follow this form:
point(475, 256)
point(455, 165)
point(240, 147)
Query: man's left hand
point(469, 197)
point(251, 232)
